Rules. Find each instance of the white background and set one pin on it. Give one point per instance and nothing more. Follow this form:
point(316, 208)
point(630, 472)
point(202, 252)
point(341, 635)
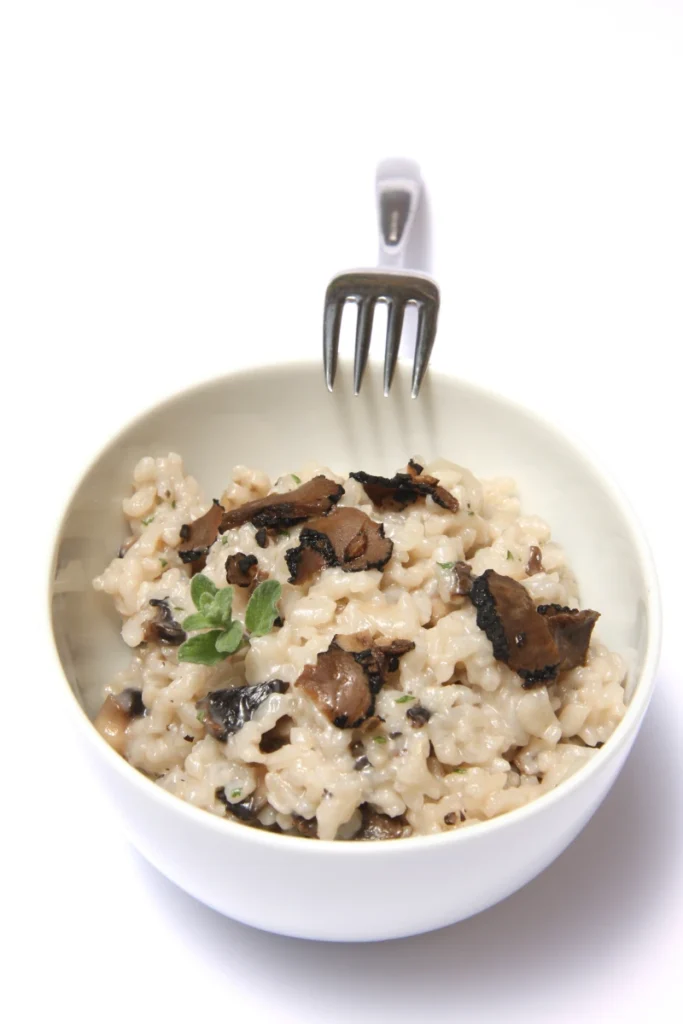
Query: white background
point(179, 182)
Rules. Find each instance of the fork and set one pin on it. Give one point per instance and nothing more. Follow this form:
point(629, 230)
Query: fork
point(398, 188)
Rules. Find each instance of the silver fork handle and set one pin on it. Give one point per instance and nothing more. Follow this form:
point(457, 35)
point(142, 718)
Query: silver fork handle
point(398, 186)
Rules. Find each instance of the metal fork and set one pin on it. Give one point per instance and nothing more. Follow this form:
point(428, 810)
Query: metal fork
point(398, 192)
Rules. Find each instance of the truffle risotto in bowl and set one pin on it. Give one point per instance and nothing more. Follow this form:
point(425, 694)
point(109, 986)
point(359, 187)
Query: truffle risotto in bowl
point(351, 668)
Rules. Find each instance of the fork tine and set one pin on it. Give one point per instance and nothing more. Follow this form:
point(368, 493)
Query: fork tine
point(334, 307)
point(426, 333)
point(366, 310)
point(394, 328)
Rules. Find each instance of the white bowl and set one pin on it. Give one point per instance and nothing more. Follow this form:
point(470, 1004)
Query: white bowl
point(275, 418)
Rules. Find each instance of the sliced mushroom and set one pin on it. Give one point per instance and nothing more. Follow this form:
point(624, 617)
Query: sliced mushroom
point(314, 498)
point(346, 678)
point(197, 537)
point(227, 710)
point(340, 686)
point(346, 537)
point(261, 537)
point(534, 564)
point(245, 810)
point(116, 714)
point(572, 630)
point(241, 569)
point(520, 636)
point(276, 737)
point(396, 492)
point(307, 827)
point(463, 579)
point(164, 628)
point(380, 826)
point(537, 643)
point(418, 715)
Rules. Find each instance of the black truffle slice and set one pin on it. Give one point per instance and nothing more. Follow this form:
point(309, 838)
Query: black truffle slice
point(520, 636)
point(241, 569)
point(314, 498)
point(396, 492)
point(572, 630)
point(197, 537)
point(164, 628)
point(346, 537)
point(380, 826)
point(226, 711)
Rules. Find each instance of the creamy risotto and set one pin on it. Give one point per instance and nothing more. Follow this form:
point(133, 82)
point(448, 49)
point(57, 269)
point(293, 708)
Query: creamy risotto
point(351, 657)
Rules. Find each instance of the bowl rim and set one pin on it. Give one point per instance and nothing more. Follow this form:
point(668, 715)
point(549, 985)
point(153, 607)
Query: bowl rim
point(622, 736)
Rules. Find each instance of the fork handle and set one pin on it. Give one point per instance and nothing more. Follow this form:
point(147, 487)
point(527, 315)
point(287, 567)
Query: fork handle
point(398, 186)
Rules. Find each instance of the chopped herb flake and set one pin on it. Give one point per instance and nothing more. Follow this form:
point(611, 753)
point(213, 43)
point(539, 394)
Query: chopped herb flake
point(224, 540)
point(459, 771)
point(446, 565)
point(470, 513)
point(510, 556)
point(163, 563)
point(147, 521)
point(201, 715)
point(405, 698)
point(295, 478)
point(380, 739)
point(235, 794)
point(173, 503)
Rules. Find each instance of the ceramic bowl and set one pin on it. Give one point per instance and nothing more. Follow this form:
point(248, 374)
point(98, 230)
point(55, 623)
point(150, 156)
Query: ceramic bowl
point(277, 417)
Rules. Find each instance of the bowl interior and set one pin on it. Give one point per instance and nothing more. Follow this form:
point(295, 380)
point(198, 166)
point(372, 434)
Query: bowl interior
point(279, 418)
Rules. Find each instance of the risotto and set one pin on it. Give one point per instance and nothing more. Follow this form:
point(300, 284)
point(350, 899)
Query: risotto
point(351, 657)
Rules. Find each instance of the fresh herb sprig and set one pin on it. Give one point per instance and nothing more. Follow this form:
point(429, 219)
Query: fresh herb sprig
point(226, 635)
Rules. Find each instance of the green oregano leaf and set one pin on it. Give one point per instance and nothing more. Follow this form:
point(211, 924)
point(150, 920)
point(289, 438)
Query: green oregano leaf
point(446, 565)
point(200, 585)
point(147, 521)
point(201, 649)
point(196, 621)
point(219, 610)
point(380, 739)
point(405, 698)
point(295, 478)
point(262, 608)
point(235, 794)
point(230, 639)
point(510, 556)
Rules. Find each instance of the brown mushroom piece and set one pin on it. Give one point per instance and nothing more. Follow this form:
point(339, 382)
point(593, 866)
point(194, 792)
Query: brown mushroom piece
point(340, 686)
point(536, 644)
point(347, 538)
point(163, 628)
point(346, 678)
point(307, 827)
point(463, 579)
point(241, 569)
point(402, 489)
point(198, 536)
point(534, 563)
point(225, 711)
point(314, 498)
point(380, 826)
point(418, 715)
point(116, 714)
point(572, 630)
point(245, 810)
